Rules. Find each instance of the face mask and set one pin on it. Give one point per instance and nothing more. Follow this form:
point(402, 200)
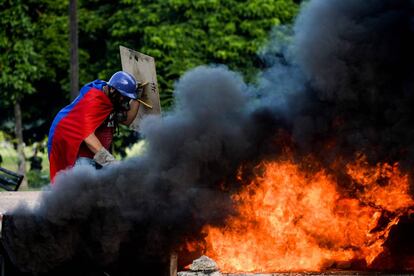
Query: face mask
point(121, 106)
point(119, 102)
point(121, 116)
point(125, 104)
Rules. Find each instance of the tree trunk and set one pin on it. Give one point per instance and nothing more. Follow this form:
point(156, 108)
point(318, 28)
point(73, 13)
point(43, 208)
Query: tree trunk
point(18, 130)
point(74, 58)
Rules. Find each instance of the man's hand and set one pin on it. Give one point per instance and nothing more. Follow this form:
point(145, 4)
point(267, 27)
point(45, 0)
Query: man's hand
point(131, 113)
point(104, 158)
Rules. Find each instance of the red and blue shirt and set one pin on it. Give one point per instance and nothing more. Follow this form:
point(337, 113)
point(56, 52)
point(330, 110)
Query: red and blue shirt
point(74, 123)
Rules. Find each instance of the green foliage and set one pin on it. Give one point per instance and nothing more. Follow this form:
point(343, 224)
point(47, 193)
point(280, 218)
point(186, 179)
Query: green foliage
point(180, 34)
point(33, 59)
point(123, 139)
point(52, 27)
point(33, 45)
point(37, 179)
point(18, 59)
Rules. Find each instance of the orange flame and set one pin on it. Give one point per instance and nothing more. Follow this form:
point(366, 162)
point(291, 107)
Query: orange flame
point(291, 220)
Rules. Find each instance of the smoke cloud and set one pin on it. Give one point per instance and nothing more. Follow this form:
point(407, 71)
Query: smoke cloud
point(346, 79)
point(129, 217)
point(358, 59)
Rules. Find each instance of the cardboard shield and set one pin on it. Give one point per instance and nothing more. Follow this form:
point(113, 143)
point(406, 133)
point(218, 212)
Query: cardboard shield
point(142, 67)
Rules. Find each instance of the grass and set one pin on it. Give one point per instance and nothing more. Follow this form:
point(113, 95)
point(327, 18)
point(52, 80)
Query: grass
point(10, 162)
point(10, 159)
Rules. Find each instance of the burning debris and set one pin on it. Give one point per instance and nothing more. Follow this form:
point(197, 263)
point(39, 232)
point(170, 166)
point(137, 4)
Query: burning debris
point(291, 220)
point(312, 168)
point(339, 185)
point(203, 266)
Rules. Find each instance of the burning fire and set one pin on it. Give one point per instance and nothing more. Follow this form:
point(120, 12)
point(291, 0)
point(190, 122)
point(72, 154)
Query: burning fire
point(293, 220)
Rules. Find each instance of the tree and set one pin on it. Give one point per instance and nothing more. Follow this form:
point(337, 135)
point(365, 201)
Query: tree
point(31, 59)
point(49, 86)
point(74, 59)
point(18, 63)
point(182, 34)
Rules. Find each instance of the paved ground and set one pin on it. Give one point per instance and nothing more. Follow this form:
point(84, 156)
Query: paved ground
point(327, 273)
point(10, 200)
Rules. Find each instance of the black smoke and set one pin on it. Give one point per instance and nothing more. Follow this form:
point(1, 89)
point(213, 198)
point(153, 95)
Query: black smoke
point(358, 59)
point(128, 218)
point(346, 80)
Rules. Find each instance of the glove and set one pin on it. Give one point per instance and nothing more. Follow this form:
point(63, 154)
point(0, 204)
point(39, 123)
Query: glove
point(103, 157)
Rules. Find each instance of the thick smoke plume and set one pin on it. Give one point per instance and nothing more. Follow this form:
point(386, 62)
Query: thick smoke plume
point(345, 81)
point(358, 58)
point(126, 218)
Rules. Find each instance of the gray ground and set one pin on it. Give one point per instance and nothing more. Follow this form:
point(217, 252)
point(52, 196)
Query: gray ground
point(10, 200)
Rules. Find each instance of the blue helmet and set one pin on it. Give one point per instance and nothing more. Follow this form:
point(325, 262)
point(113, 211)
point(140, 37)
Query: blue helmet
point(125, 83)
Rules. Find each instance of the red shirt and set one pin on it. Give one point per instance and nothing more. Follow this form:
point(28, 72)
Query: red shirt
point(104, 133)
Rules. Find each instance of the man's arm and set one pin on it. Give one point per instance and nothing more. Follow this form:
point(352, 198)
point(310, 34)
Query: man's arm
point(132, 112)
point(93, 143)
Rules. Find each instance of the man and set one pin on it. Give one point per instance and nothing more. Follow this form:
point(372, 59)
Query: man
point(82, 132)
